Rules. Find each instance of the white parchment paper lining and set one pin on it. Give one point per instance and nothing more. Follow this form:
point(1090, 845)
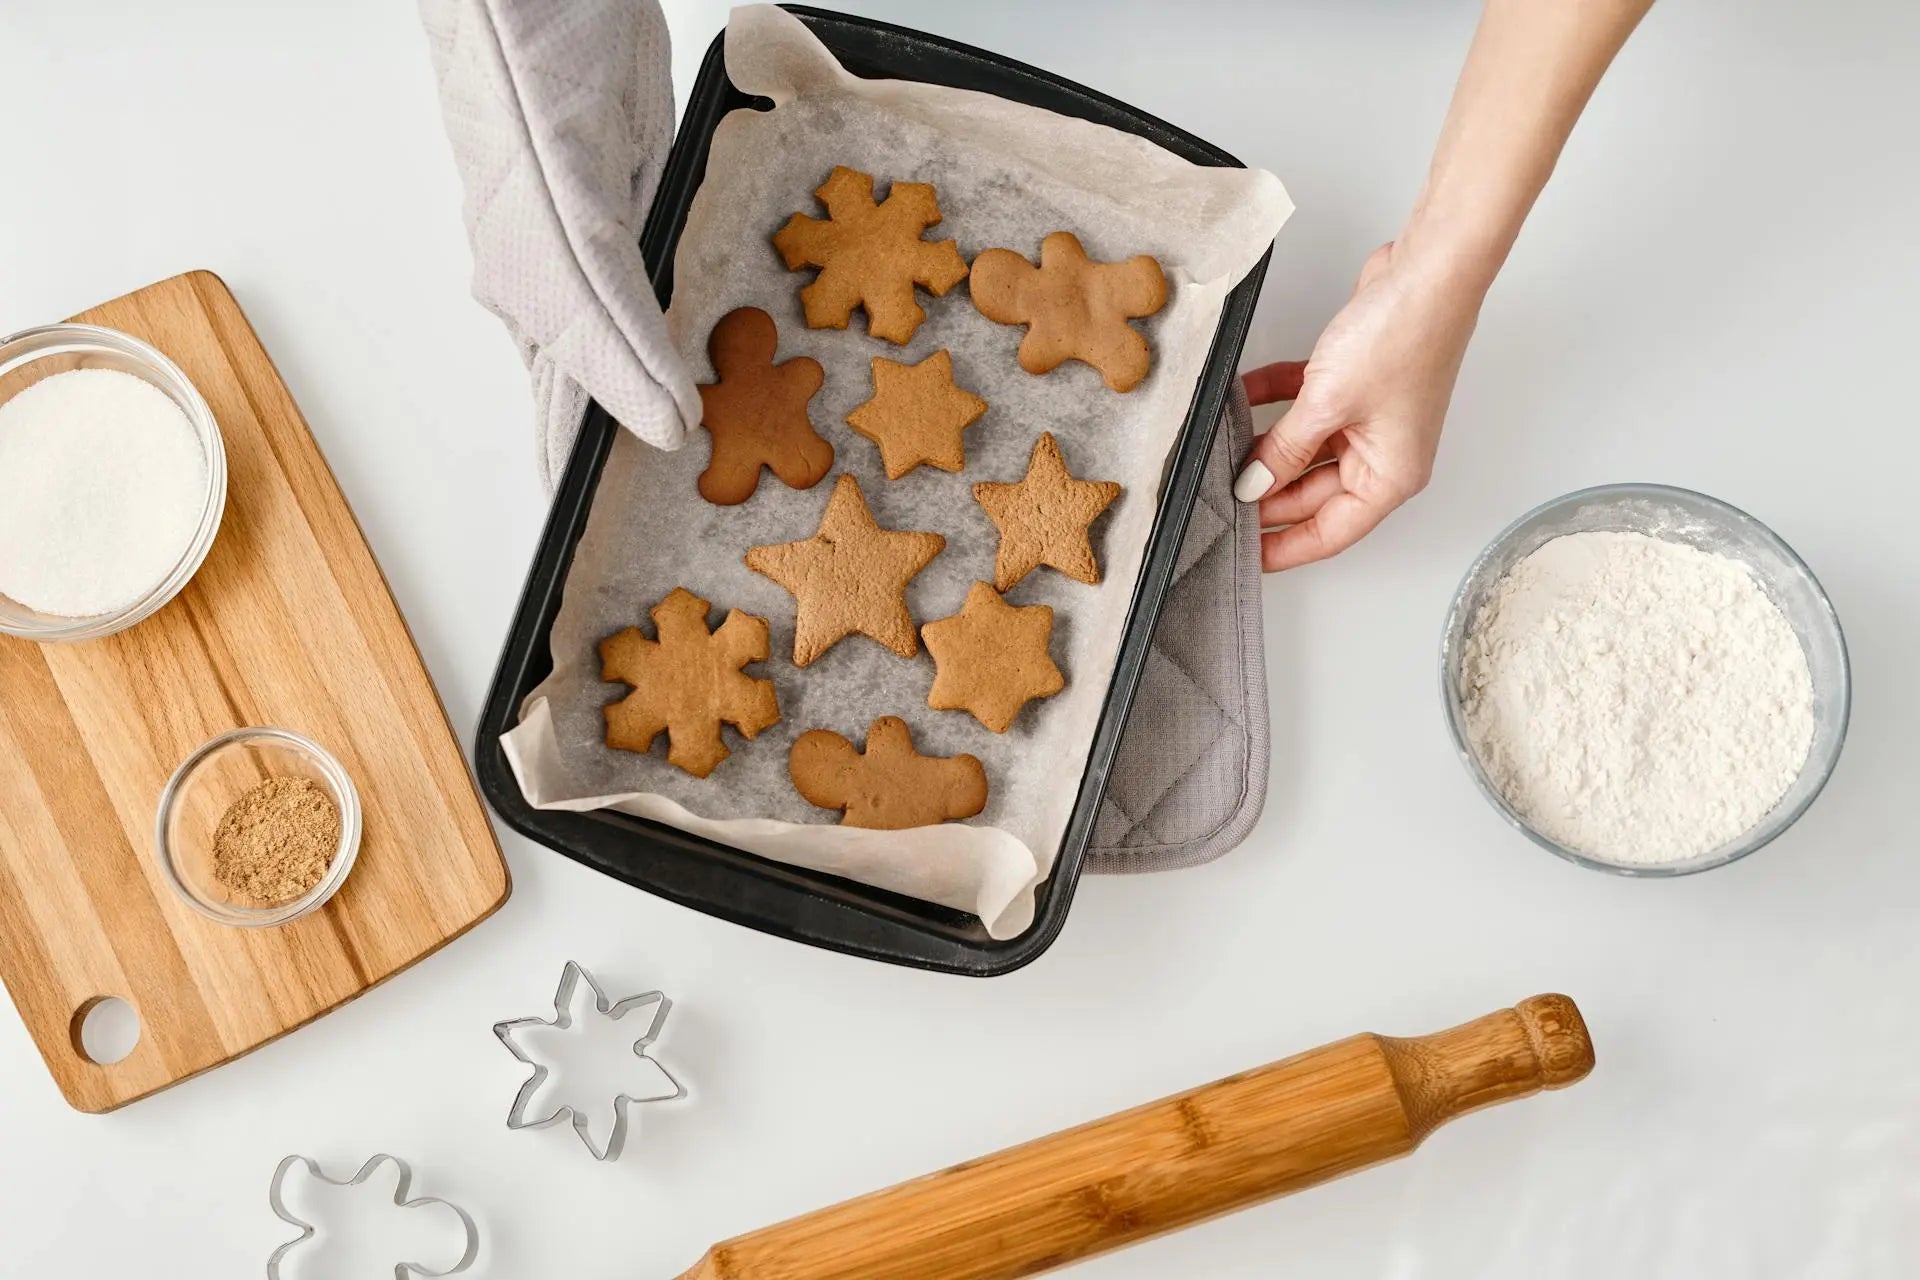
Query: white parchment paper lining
point(1006, 174)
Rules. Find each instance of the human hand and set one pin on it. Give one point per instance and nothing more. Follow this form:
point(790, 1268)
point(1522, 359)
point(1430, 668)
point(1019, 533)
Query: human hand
point(1367, 409)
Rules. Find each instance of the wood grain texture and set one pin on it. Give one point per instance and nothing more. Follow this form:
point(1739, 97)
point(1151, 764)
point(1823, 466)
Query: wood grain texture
point(1175, 1162)
point(288, 623)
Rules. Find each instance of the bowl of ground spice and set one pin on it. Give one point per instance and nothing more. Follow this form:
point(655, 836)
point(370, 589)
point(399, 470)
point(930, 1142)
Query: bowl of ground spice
point(257, 827)
point(113, 480)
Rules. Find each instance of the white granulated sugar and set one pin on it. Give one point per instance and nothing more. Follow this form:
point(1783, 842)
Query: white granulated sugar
point(1635, 699)
point(102, 481)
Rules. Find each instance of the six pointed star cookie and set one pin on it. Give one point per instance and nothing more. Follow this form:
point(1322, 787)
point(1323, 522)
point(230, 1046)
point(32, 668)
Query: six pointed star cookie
point(1074, 308)
point(917, 414)
point(1043, 518)
point(991, 658)
point(687, 682)
point(888, 785)
point(850, 576)
point(870, 255)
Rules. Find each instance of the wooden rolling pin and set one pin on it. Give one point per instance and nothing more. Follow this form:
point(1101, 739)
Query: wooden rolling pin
point(1175, 1162)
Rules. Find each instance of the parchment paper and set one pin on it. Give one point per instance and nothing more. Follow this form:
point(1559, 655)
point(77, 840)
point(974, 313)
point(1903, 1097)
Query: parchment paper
point(1006, 175)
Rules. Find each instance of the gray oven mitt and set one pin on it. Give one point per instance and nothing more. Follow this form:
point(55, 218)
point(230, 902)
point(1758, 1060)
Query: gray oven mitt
point(1191, 773)
point(560, 113)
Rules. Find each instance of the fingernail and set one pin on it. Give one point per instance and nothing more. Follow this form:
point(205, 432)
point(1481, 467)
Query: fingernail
point(1253, 482)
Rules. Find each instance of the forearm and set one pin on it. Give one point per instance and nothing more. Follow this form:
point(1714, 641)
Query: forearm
point(1528, 76)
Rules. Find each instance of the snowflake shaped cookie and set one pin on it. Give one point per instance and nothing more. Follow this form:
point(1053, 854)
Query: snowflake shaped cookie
point(688, 682)
point(870, 255)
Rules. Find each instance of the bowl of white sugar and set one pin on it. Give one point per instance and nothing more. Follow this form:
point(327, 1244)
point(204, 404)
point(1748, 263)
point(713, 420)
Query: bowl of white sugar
point(1645, 680)
point(113, 479)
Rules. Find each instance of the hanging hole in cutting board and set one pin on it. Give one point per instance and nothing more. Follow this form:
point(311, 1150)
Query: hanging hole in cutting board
point(105, 1030)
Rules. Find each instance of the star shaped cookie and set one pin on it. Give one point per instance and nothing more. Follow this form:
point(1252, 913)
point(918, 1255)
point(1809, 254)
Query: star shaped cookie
point(870, 255)
point(850, 576)
point(1074, 308)
point(991, 658)
point(917, 414)
point(1043, 518)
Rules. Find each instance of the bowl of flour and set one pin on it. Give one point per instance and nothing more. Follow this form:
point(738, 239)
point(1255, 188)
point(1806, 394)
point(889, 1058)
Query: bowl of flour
point(1645, 680)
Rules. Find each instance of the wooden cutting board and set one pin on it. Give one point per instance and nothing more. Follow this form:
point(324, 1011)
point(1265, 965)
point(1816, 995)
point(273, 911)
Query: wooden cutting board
point(288, 623)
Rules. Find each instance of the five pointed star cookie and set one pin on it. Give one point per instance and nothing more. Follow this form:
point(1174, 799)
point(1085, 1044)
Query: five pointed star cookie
point(991, 658)
point(687, 682)
point(1074, 308)
point(1043, 518)
point(917, 414)
point(888, 785)
point(850, 576)
point(870, 255)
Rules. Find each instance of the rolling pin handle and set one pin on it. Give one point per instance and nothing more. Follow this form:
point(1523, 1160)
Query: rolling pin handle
point(1540, 1043)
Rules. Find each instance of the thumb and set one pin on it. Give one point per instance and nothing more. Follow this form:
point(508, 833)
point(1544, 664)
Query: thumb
point(1286, 451)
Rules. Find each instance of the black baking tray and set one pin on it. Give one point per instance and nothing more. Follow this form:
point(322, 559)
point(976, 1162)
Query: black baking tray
point(791, 902)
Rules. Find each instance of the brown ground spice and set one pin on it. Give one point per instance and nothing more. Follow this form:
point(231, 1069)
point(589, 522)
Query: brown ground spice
point(273, 844)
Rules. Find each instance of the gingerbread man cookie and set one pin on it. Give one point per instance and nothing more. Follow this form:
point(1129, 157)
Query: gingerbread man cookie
point(888, 785)
point(1074, 308)
point(757, 412)
point(991, 658)
point(1043, 518)
point(917, 414)
point(870, 255)
point(688, 682)
point(850, 576)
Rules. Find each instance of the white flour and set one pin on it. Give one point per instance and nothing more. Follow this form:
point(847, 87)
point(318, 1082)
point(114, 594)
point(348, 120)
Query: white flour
point(1638, 700)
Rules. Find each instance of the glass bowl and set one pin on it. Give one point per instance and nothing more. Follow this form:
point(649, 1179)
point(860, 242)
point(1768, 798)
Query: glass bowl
point(33, 354)
point(217, 773)
point(1678, 515)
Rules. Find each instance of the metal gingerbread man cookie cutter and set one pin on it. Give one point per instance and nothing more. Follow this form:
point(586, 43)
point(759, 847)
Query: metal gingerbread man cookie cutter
point(570, 978)
point(401, 1270)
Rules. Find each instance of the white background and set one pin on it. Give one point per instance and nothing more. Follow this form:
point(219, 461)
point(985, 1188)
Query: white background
point(1719, 290)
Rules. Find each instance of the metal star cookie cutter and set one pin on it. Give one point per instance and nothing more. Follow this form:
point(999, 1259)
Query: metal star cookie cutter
point(571, 977)
point(401, 1270)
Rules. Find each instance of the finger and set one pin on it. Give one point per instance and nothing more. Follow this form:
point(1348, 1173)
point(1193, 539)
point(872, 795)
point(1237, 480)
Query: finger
point(1341, 522)
point(1272, 383)
point(1284, 452)
point(1293, 503)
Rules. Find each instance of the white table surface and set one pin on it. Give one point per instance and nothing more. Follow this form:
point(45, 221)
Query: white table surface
point(1718, 291)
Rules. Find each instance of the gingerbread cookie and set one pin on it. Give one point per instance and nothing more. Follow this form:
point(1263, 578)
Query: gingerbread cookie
point(1074, 308)
point(917, 414)
point(757, 412)
point(1043, 518)
point(688, 682)
point(991, 658)
point(870, 255)
point(888, 785)
point(850, 576)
